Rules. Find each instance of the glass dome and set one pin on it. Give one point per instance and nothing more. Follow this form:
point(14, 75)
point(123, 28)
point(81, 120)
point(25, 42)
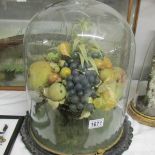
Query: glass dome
point(79, 61)
point(144, 98)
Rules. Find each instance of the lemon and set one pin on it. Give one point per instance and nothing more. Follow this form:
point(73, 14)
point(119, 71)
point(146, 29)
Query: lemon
point(65, 72)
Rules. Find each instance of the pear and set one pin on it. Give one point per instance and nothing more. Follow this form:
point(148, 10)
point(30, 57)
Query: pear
point(106, 63)
point(119, 74)
point(104, 105)
point(98, 103)
point(65, 49)
point(108, 96)
point(119, 90)
point(38, 74)
point(56, 92)
point(106, 75)
point(98, 63)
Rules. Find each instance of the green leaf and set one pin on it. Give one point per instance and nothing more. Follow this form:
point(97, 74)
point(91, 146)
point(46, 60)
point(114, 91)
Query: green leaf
point(75, 43)
point(85, 114)
point(83, 52)
point(81, 59)
point(92, 62)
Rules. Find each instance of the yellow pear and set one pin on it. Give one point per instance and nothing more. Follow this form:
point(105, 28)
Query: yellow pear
point(38, 74)
point(65, 48)
point(106, 75)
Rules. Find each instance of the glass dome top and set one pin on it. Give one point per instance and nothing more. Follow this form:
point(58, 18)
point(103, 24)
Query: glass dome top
point(79, 61)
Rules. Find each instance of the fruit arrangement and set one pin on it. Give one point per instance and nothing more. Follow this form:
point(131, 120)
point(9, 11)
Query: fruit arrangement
point(77, 78)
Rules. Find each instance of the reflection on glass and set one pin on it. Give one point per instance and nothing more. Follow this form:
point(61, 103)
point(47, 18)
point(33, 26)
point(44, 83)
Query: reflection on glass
point(14, 17)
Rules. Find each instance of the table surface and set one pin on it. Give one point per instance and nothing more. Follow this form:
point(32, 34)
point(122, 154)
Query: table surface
point(15, 103)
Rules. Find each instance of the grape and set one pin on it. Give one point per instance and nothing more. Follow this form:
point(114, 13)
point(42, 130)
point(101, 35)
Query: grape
point(80, 106)
point(81, 68)
point(76, 79)
point(69, 78)
point(75, 73)
point(73, 65)
point(72, 107)
point(70, 61)
point(87, 73)
point(88, 92)
point(83, 99)
point(93, 94)
point(97, 81)
point(75, 55)
point(80, 93)
point(95, 55)
point(85, 82)
point(74, 99)
point(82, 77)
point(87, 65)
point(66, 64)
point(70, 85)
point(80, 89)
point(89, 107)
point(78, 86)
point(92, 72)
point(91, 79)
point(71, 92)
point(87, 86)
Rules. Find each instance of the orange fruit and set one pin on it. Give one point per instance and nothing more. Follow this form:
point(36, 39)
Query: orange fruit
point(53, 77)
point(106, 63)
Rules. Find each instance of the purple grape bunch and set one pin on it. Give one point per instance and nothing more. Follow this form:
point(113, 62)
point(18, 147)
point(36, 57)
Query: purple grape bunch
point(80, 87)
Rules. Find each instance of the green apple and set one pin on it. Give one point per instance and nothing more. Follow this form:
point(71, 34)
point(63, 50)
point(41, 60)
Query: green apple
point(55, 67)
point(53, 55)
point(56, 92)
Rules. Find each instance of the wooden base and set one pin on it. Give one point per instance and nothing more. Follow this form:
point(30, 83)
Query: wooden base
point(140, 117)
point(122, 145)
point(13, 88)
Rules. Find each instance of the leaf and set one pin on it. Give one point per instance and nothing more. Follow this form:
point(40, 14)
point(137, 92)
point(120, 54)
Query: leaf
point(81, 59)
point(83, 52)
point(94, 46)
point(92, 62)
point(53, 104)
point(75, 43)
point(85, 114)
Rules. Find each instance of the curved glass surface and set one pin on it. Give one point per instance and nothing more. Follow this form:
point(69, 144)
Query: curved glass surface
point(145, 99)
point(79, 61)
